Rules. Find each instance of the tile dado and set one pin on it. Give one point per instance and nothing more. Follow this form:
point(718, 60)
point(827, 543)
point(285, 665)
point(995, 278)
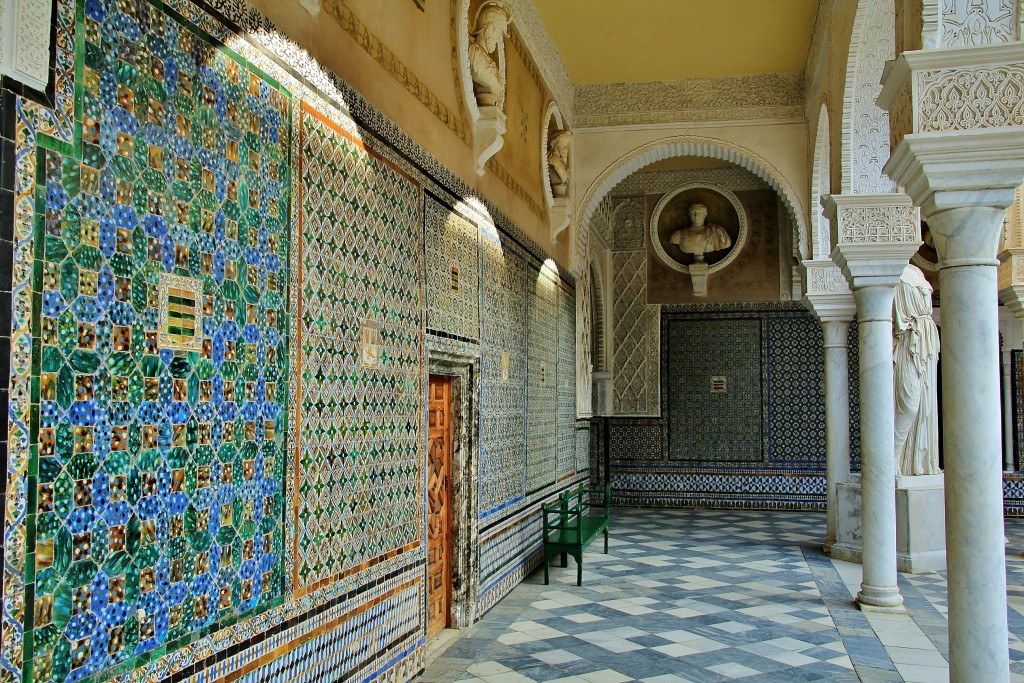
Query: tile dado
point(179, 446)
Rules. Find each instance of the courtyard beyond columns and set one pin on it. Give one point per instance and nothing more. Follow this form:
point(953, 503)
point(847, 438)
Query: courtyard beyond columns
point(715, 595)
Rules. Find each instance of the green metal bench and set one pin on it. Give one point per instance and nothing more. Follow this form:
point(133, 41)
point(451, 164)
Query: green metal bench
point(571, 523)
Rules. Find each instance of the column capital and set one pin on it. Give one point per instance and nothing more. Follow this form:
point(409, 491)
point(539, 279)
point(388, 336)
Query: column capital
point(828, 295)
point(1012, 297)
point(1011, 269)
point(872, 218)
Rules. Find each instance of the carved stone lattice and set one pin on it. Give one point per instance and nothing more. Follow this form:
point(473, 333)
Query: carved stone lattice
point(865, 125)
point(636, 335)
point(869, 224)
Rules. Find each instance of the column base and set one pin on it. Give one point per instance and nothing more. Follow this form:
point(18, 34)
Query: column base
point(826, 547)
point(920, 523)
point(880, 599)
point(847, 546)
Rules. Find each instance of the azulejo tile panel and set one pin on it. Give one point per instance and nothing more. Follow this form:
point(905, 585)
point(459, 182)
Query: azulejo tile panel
point(566, 427)
point(160, 330)
point(796, 391)
point(452, 271)
point(357, 459)
point(542, 379)
point(503, 381)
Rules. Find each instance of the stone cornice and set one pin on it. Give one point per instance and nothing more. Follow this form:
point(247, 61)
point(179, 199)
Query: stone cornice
point(732, 98)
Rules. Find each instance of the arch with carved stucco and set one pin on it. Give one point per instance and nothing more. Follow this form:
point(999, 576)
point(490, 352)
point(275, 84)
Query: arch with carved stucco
point(865, 132)
point(698, 146)
point(821, 184)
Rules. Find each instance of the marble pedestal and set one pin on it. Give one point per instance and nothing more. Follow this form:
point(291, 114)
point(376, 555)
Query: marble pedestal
point(921, 523)
point(849, 534)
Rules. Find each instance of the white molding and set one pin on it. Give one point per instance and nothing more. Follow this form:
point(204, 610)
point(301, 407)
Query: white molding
point(25, 41)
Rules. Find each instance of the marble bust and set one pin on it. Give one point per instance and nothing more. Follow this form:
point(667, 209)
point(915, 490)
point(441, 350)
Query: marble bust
point(558, 161)
point(915, 359)
point(490, 29)
point(700, 238)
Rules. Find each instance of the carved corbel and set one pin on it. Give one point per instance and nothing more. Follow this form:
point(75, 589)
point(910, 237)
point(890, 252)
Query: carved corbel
point(482, 53)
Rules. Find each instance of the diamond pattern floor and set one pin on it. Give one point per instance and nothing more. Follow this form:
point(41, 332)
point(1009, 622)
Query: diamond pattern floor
point(708, 595)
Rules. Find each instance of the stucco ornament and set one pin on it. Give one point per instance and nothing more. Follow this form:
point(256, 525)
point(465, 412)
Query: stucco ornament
point(489, 31)
point(701, 238)
point(915, 359)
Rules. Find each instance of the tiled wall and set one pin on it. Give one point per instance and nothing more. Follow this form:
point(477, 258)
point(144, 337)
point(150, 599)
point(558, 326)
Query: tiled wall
point(766, 451)
point(229, 275)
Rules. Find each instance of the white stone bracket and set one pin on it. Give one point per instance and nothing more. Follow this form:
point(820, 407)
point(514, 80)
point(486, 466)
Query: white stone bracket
point(25, 41)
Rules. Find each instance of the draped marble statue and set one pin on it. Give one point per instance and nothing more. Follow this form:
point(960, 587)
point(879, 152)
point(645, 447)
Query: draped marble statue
point(915, 358)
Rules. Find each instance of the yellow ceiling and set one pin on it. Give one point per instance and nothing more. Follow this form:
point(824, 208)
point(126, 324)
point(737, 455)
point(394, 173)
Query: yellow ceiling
point(611, 41)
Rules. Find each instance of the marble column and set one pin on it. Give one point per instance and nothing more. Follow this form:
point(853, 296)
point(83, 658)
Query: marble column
point(964, 183)
point(877, 237)
point(829, 298)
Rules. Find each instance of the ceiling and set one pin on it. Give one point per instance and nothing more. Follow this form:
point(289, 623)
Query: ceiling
point(612, 41)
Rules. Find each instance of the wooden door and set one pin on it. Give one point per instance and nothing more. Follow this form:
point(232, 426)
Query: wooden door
point(439, 504)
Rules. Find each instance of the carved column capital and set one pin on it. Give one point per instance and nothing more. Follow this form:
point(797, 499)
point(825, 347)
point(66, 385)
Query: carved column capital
point(828, 295)
point(877, 235)
point(25, 41)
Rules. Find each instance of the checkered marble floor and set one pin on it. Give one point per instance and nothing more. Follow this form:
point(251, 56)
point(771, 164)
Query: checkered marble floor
point(710, 595)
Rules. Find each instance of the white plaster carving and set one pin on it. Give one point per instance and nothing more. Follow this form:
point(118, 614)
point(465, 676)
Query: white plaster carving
point(628, 223)
point(873, 219)
point(556, 169)
point(1013, 237)
point(969, 23)
point(671, 262)
point(25, 41)
point(823, 277)
point(821, 180)
point(691, 145)
point(637, 338)
point(865, 125)
point(761, 96)
point(655, 182)
point(584, 330)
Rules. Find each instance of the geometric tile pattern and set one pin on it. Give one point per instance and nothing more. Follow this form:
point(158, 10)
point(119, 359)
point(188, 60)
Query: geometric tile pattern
point(1017, 402)
point(453, 268)
point(157, 486)
point(683, 595)
point(357, 460)
point(796, 416)
point(636, 440)
point(542, 379)
point(710, 424)
point(854, 380)
point(566, 427)
point(503, 374)
point(637, 337)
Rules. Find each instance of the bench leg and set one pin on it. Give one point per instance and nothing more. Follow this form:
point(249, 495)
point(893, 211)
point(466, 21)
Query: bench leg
point(565, 559)
point(606, 540)
point(547, 563)
point(579, 570)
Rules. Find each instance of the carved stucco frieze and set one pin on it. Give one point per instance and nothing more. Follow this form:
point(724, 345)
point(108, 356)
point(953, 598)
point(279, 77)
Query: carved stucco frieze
point(955, 90)
point(1013, 227)
point(824, 278)
point(969, 23)
point(762, 96)
point(25, 41)
point(1011, 268)
point(628, 223)
point(873, 219)
point(655, 182)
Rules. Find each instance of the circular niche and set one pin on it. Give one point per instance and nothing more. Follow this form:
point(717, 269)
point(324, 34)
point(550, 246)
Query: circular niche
point(673, 213)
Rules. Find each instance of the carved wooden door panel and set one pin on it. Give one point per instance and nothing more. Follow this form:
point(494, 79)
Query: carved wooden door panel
point(439, 449)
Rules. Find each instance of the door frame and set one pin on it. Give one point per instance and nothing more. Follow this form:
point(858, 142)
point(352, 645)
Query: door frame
point(463, 370)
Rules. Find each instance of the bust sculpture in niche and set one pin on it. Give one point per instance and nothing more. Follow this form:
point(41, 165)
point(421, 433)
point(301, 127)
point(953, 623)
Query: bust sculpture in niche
point(700, 238)
point(490, 29)
point(915, 359)
point(558, 162)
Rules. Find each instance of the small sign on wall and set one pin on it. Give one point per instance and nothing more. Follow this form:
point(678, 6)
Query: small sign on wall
point(718, 384)
point(369, 345)
point(181, 313)
point(506, 364)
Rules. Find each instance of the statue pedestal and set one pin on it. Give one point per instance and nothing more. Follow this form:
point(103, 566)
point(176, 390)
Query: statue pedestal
point(699, 278)
point(848, 528)
point(920, 523)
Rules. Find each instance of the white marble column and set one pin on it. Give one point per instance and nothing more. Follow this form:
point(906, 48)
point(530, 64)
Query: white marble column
point(963, 183)
point(829, 298)
point(877, 237)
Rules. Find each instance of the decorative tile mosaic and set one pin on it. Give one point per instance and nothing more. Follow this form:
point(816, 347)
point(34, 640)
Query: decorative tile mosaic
point(452, 271)
point(358, 440)
point(157, 485)
point(503, 390)
point(582, 445)
point(854, 378)
point(704, 425)
point(636, 439)
point(566, 427)
point(794, 351)
point(542, 379)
